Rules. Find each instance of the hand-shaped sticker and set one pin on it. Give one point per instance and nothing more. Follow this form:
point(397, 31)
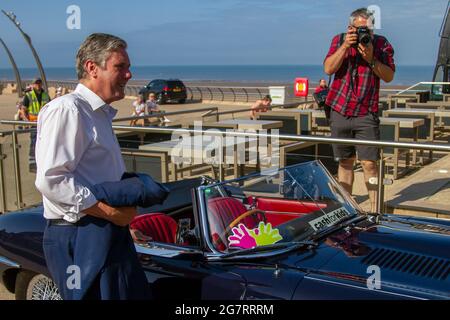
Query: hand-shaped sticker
point(241, 238)
point(265, 235)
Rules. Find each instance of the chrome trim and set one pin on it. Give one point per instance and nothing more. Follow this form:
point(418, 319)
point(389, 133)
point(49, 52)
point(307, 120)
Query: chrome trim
point(364, 288)
point(163, 250)
point(203, 216)
point(153, 251)
point(251, 256)
point(8, 262)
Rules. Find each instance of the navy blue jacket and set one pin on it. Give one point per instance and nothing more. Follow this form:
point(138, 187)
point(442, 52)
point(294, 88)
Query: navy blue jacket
point(134, 190)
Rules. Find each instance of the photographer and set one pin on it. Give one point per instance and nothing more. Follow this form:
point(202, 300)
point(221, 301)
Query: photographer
point(358, 60)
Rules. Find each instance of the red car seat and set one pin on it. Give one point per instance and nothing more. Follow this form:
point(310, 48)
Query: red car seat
point(159, 226)
point(221, 212)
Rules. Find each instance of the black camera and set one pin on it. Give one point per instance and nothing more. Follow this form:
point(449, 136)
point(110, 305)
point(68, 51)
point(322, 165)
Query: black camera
point(364, 36)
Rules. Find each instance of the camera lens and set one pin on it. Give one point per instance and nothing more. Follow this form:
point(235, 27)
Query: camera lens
point(363, 36)
point(365, 39)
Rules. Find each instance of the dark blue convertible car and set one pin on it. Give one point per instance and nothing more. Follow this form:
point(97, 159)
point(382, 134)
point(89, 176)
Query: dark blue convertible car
point(286, 234)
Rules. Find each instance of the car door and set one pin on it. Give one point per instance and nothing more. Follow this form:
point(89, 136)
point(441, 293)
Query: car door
point(189, 272)
point(171, 271)
point(177, 272)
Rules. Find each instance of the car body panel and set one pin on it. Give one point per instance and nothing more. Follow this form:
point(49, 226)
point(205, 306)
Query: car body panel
point(170, 89)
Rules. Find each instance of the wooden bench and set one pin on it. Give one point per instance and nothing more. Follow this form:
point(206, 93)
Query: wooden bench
point(425, 133)
point(390, 131)
point(294, 121)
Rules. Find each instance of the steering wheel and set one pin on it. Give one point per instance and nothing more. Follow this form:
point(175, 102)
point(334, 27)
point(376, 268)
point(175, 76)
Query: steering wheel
point(238, 219)
point(245, 215)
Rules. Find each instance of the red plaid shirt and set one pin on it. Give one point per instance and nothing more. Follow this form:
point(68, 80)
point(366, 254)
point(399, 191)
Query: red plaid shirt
point(355, 87)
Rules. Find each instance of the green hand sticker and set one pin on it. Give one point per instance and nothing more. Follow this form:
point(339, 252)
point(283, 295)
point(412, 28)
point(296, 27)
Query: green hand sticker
point(265, 235)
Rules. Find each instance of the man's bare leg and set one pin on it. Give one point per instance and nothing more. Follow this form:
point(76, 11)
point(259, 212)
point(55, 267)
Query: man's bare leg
point(345, 173)
point(370, 169)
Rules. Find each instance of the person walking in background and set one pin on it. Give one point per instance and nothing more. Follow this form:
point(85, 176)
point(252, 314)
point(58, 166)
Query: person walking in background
point(139, 107)
point(262, 105)
point(358, 60)
point(153, 107)
point(21, 114)
point(321, 87)
point(59, 92)
point(33, 101)
point(320, 95)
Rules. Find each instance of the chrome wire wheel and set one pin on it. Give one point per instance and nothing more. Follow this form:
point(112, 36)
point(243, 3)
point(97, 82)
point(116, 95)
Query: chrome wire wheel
point(41, 287)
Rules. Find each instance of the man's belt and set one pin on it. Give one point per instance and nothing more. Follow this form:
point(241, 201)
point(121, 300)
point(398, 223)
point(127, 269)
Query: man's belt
point(61, 222)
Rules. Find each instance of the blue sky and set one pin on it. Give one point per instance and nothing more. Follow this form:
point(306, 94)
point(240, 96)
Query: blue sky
point(193, 32)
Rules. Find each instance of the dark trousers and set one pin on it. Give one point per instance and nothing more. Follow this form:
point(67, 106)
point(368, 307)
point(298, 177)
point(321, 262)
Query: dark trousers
point(94, 259)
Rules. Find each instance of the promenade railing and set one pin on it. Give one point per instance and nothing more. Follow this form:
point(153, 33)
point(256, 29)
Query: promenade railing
point(214, 93)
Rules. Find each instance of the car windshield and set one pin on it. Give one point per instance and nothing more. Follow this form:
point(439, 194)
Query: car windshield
point(288, 205)
point(175, 84)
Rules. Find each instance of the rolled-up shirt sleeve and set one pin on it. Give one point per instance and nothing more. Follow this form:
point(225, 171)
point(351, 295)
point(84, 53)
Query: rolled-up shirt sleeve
point(62, 141)
point(334, 46)
point(387, 55)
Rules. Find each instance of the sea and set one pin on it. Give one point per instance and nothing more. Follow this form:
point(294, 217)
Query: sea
point(405, 75)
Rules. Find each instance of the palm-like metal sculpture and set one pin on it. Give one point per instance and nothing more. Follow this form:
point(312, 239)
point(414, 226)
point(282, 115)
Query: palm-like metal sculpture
point(11, 16)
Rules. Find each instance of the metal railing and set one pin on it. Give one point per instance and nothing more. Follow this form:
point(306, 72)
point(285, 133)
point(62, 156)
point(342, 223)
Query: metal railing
point(411, 88)
point(208, 111)
point(315, 139)
point(211, 111)
point(201, 93)
point(284, 106)
point(213, 93)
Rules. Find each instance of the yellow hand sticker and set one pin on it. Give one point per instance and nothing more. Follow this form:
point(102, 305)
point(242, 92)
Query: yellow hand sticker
point(265, 235)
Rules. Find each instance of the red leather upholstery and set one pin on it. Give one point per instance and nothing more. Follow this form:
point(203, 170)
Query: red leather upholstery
point(159, 226)
point(224, 210)
point(221, 212)
point(285, 205)
point(279, 211)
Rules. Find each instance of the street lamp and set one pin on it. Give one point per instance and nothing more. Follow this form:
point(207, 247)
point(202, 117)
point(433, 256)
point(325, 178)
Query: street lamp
point(13, 19)
point(16, 71)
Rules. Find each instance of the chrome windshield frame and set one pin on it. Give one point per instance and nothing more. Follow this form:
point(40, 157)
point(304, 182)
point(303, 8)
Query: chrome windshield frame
point(213, 253)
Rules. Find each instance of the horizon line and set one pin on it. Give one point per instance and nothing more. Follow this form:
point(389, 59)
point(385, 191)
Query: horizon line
point(219, 65)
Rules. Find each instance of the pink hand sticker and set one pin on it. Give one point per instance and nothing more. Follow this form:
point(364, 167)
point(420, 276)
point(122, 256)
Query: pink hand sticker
point(241, 238)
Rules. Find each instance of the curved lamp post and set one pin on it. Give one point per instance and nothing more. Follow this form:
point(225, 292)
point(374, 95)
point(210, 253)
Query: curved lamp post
point(27, 38)
point(16, 71)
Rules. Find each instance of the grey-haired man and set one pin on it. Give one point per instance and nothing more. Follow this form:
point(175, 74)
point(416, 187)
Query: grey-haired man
point(77, 149)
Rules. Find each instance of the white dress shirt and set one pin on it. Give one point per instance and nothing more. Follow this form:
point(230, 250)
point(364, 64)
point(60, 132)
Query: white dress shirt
point(76, 148)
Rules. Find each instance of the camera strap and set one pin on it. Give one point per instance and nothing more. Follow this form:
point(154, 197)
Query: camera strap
point(354, 74)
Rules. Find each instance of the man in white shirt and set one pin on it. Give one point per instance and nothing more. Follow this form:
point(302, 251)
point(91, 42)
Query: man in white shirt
point(76, 149)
